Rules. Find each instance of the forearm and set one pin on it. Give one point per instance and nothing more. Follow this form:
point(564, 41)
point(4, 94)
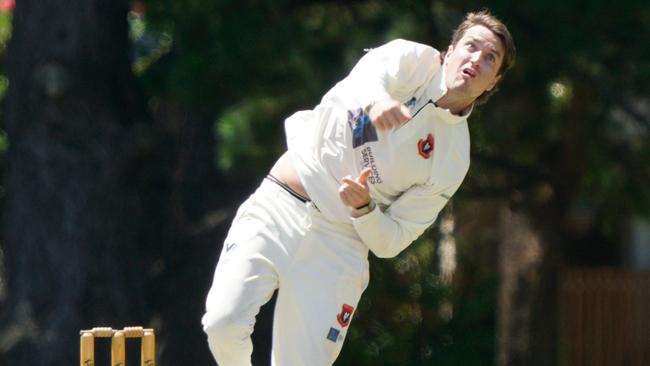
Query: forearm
point(383, 235)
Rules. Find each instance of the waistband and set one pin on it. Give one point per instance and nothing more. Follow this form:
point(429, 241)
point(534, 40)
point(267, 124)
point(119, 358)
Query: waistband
point(286, 187)
point(309, 213)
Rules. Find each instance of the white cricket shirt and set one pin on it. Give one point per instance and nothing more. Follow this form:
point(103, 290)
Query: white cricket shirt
point(416, 168)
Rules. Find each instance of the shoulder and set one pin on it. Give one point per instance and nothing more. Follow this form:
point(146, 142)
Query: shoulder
point(406, 46)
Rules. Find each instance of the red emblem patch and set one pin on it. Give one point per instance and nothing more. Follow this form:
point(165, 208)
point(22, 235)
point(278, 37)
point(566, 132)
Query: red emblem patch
point(345, 316)
point(425, 146)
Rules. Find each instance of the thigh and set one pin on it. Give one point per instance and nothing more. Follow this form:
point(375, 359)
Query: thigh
point(317, 299)
point(246, 276)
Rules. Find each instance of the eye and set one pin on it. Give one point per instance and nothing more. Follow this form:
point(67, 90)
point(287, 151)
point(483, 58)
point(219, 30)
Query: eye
point(470, 46)
point(491, 58)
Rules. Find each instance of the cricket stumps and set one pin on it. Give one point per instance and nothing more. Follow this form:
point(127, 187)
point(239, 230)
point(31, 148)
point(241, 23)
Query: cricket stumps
point(118, 345)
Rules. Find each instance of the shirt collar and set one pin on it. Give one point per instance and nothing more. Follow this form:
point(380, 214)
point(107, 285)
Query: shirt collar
point(437, 89)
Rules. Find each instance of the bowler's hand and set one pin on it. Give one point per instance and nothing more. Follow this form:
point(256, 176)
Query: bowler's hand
point(354, 192)
point(389, 113)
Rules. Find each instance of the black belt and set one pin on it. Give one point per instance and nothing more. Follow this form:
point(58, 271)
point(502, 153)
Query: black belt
point(286, 187)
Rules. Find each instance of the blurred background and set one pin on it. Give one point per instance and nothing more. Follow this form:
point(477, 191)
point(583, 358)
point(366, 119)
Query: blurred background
point(130, 132)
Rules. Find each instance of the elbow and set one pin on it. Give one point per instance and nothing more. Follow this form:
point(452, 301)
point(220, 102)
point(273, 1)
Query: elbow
point(389, 247)
point(387, 250)
point(384, 238)
point(386, 254)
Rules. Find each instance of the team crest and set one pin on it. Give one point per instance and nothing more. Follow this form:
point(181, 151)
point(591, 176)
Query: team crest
point(425, 146)
point(345, 315)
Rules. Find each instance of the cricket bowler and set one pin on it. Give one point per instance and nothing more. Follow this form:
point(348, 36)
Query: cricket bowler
point(368, 169)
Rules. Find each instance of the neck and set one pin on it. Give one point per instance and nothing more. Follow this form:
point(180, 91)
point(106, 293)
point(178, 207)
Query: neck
point(455, 104)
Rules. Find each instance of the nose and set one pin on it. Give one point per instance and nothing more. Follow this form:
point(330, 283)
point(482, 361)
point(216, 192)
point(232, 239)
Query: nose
point(475, 57)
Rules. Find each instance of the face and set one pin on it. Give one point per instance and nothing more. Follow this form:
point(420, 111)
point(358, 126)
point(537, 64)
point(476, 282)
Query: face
point(473, 63)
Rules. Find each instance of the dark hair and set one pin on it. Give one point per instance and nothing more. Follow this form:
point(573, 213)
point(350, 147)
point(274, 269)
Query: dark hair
point(489, 21)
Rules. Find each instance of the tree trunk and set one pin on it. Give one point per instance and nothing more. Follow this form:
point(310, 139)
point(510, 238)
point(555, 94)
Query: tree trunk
point(527, 303)
point(69, 217)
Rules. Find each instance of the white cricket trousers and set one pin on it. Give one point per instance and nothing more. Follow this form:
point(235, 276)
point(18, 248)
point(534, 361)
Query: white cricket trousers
point(277, 241)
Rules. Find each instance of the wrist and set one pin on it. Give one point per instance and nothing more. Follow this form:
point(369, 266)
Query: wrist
point(365, 209)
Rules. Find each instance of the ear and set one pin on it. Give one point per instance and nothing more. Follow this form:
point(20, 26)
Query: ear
point(450, 49)
point(493, 83)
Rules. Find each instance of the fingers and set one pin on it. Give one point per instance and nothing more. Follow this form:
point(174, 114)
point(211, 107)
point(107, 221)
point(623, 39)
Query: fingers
point(390, 118)
point(352, 185)
point(363, 176)
point(389, 114)
point(353, 198)
point(361, 182)
point(354, 192)
point(406, 112)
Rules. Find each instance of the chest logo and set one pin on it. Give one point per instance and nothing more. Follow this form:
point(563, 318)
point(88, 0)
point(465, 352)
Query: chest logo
point(362, 129)
point(425, 146)
point(345, 315)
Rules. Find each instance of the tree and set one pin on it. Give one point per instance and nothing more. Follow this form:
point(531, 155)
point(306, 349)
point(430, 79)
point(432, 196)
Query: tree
point(70, 215)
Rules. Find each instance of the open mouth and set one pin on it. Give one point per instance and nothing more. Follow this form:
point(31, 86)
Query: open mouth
point(469, 72)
